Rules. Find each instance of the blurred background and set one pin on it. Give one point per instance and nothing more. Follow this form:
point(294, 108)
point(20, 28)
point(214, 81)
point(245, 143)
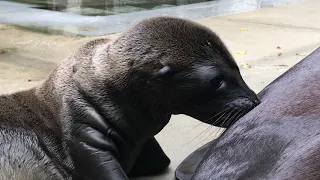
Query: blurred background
point(105, 7)
point(99, 17)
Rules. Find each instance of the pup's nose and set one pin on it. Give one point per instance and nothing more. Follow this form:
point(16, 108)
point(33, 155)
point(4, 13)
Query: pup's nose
point(254, 97)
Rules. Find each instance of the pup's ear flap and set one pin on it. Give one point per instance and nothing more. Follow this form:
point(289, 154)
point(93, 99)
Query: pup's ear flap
point(163, 74)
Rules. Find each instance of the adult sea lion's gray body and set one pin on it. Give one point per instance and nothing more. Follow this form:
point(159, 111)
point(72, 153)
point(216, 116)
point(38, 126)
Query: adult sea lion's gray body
point(278, 140)
point(96, 115)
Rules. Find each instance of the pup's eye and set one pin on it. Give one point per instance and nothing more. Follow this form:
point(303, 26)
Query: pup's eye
point(217, 82)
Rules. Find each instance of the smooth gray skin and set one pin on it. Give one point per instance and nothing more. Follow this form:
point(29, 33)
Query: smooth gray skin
point(95, 116)
point(278, 140)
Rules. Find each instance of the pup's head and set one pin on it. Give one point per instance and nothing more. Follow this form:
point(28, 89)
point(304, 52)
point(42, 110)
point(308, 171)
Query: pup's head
point(184, 68)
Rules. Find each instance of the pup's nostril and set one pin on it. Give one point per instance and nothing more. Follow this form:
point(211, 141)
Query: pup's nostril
point(246, 102)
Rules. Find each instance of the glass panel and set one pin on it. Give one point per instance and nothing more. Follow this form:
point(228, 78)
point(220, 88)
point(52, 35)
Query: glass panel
point(105, 7)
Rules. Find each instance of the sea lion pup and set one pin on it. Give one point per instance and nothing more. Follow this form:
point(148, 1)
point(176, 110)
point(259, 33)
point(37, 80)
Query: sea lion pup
point(278, 140)
point(96, 115)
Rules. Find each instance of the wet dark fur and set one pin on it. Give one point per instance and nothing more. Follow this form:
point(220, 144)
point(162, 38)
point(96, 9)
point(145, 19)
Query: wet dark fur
point(96, 115)
point(279, 139)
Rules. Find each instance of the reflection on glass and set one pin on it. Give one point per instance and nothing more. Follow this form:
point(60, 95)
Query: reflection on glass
point(105, 7)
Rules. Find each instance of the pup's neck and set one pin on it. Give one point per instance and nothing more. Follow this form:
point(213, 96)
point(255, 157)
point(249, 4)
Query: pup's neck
point(125, 111)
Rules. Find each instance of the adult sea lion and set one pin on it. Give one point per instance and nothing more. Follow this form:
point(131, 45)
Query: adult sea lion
point(278, 140)
point(95, 116)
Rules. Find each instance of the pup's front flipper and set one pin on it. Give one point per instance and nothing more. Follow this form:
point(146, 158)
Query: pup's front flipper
point(92, 143)
point(92, 163)
point(151, 160)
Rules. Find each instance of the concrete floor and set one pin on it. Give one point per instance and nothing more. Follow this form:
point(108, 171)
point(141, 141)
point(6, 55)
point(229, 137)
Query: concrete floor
point(274, 39)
